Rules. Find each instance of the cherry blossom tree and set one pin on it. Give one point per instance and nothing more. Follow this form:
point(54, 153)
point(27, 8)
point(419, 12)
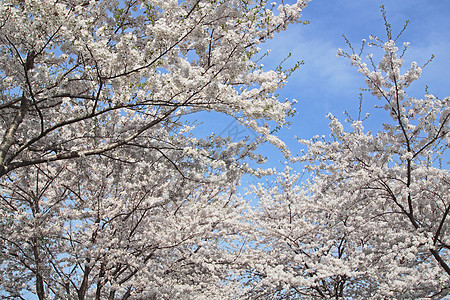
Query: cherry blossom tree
point(105, 193)
point(372, 221)
point(133, 229)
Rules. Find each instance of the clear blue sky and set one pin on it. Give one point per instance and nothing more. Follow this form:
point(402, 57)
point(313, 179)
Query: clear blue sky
point(327, 83)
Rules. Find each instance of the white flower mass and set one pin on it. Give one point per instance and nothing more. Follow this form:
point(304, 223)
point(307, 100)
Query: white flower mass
point(106, 191)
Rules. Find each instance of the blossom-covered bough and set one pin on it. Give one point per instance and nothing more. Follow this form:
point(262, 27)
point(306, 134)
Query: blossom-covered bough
point(105, 193)
point(373, 219)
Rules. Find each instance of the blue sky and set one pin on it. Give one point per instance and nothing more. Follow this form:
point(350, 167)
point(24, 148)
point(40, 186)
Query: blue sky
point(326, 83)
